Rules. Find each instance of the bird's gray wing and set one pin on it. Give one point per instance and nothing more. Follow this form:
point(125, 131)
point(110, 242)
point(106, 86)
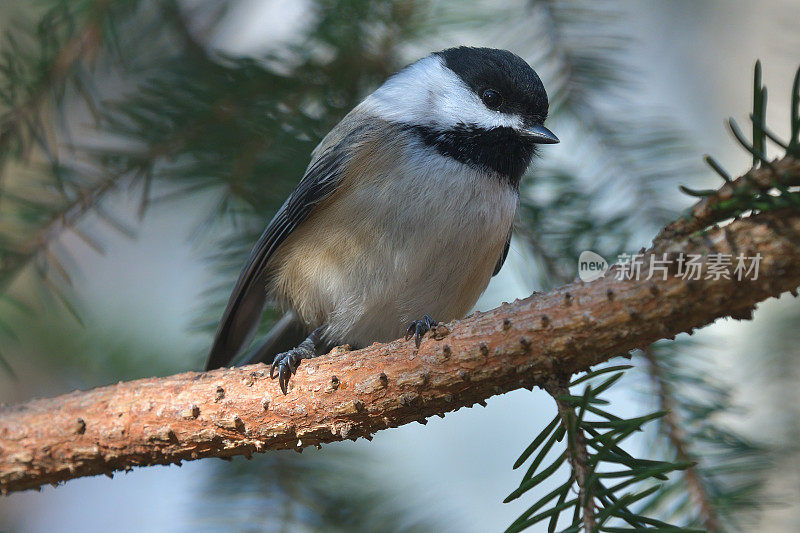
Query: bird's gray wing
point(246, 303)
point(502, 259)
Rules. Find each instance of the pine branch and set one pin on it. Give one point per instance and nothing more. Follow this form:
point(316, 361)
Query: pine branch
point(576, 450)
point(722, 487)
point(66, 217)
point(677, 439)
point(752, 190)
point(618, 150)
point(346, 395)
point(717, 206)
point(84, 42)
point(647, 151)
point(194, 48)
point(83, 200)
point(607, 479)
point(64, 41)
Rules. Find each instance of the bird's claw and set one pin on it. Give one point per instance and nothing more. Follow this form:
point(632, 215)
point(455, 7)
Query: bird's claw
point(286, 363)
point(419, 328)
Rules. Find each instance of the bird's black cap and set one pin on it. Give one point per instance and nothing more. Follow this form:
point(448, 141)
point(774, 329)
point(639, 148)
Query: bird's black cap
point(506, 72)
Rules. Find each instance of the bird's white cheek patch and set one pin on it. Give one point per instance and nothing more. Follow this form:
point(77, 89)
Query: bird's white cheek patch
point(428, 93)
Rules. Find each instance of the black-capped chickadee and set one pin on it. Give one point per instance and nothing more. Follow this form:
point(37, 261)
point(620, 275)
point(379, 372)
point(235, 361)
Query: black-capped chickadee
point(404, 212)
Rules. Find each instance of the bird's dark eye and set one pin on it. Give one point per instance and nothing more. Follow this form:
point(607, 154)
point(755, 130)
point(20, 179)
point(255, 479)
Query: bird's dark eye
point(491, 98)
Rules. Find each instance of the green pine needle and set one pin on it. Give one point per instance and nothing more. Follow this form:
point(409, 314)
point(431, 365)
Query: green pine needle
point(537, 442)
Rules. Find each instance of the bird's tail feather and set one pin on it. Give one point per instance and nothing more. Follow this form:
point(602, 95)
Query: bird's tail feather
point(238, 326)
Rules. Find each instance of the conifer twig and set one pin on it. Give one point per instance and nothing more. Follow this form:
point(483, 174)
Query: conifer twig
point(677, 438)
point(578, 454)
point(85, 42)
point(784, 172)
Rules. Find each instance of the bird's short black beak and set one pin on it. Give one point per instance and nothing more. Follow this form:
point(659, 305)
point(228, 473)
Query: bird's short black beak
point(539, 134)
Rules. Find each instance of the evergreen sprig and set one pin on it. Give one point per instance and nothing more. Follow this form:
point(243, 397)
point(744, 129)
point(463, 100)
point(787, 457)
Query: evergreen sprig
point(42, 193)
point(723, 471)
point(749, 195)
point(603, 479)
point(724, 484)
point(631, 155)
point(333, 490)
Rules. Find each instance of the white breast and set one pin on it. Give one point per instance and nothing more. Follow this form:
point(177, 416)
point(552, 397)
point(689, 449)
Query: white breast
point(419, 237)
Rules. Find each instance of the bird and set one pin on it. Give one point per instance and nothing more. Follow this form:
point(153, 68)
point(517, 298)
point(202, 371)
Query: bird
point(402, 217)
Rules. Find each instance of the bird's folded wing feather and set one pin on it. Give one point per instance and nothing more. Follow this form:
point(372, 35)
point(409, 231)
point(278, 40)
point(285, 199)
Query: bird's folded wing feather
point(246, 303)
point(502, 259)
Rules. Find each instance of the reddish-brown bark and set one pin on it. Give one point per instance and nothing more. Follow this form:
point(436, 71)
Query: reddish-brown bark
point(345, 395)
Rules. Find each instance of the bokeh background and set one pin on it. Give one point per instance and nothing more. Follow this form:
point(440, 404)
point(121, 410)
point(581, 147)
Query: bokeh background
point(144, 145)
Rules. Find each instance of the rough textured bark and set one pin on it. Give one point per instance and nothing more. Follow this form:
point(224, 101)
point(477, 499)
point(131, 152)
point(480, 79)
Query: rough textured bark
point(346, 395)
